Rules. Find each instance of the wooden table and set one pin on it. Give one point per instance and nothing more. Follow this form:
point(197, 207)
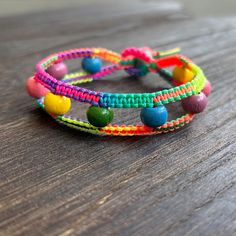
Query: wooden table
point(58, 181)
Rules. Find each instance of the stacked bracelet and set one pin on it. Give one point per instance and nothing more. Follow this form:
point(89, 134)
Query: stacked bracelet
point(54, 88)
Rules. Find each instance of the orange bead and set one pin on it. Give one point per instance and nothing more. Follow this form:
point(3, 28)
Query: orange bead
point(56, 104)
point(182, 74)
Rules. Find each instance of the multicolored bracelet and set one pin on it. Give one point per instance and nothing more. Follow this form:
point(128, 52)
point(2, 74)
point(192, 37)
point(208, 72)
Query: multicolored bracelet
point(54, 88)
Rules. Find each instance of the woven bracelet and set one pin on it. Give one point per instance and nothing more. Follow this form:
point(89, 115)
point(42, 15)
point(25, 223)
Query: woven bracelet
point(54, 88)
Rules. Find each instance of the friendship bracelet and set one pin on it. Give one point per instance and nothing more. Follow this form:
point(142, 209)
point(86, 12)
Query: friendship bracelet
point(54, 88)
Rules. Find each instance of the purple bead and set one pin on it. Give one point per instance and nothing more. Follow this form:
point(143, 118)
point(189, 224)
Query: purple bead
point(195, 103)
point(207, 88)
point(58, 70)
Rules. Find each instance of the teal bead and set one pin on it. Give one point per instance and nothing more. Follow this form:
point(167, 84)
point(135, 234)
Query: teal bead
point(141, 66)
point(154, 117)
point(92, 64)
point(99, 116)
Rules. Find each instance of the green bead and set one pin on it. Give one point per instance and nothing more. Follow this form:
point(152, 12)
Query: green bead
point(99, 116)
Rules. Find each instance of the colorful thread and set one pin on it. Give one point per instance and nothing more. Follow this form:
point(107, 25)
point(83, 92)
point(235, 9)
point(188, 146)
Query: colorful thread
point(155, 62)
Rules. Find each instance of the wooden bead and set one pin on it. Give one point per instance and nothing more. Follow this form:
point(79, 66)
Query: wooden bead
point(141, 66)
point(92, 64)
point(58, 70)
point(182, 74)
point(99, 116)
point(35, 89)
point(207, 88)
point(154, 117)
point(56, 104)
point(195, 103)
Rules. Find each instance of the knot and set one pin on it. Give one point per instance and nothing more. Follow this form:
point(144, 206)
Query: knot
point(137, 61)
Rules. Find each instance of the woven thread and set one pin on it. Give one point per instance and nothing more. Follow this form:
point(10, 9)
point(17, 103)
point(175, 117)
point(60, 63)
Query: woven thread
point(122, 130)
point(156, 63)
point(119, 100)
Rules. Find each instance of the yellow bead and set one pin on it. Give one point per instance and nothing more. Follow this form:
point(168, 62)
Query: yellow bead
point(182, 74)
point(56, 104)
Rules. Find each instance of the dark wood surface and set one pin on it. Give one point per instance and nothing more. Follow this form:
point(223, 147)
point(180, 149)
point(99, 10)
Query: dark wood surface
point(58, 181)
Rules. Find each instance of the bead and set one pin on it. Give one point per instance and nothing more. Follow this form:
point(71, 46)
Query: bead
point(182, 74)
point(99, 116)
point(141, 66)
point(56, 104)
point(207, 88)
point(154, 117)
point(92, 64)
point(195, 103)
point(35, 89)
point(58, 70)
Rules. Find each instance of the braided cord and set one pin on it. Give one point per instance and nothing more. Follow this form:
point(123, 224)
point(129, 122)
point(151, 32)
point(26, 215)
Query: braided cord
point(156, 63)
point(121, 130)
point(119, 100)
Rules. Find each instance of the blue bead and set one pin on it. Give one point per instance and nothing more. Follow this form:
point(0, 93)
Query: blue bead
point(154, 117)
point(92, 64)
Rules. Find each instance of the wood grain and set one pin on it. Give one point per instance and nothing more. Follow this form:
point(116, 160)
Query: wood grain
point(58, 181)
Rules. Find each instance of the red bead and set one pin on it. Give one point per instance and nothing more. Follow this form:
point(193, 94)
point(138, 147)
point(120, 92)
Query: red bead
point(207, 88)
point(35, 89)
point(58, 70)
point(195, 103)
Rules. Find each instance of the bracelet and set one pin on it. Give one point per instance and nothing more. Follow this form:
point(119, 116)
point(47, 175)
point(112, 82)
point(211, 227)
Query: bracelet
point(54, 88)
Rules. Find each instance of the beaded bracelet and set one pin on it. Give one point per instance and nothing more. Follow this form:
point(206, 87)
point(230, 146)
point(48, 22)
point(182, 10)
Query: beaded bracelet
point(54, 88)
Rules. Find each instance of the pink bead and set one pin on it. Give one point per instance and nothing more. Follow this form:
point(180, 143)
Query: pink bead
point(207, 88)
point(195, 103)
point(58, 70)
point(35, 89)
